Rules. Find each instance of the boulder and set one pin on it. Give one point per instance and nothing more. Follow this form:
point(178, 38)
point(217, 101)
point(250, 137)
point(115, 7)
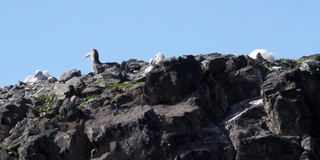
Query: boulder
point(270, 147)
point(133, 69)
point(63, 91)
point(210, 106)
point(124, 134)
point(173, 81)
point(69, 74)
point(285, 103)
point(214, 64)
point(68, 111)
point(77, 83)
point(12, 113)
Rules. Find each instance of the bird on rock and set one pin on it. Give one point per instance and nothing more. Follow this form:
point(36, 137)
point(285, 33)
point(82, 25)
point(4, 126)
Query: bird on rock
point(39, 75)
point(154, 61)
point(159, 57)
point(263, 53)
point(96, 65)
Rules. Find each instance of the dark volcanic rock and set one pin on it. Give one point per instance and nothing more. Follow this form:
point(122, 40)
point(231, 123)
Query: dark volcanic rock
point(68, 111)
point(77, 84)
point(173, 81)
point(69, 74)
point(270, 147)
point(286, 105)
point(11, 114)
point(133, 69)
point(125, 134)
point(211, 106)
point(291, 102)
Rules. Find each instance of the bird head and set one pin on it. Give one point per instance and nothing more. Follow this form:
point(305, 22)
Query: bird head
point(94, 55)
point(91, 53)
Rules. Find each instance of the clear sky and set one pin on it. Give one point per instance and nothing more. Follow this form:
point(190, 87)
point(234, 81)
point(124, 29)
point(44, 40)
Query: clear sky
point(55, 35)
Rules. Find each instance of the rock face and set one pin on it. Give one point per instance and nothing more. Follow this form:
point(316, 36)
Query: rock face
point(211, 106)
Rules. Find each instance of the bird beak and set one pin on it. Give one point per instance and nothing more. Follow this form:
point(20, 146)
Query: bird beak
point(87, 55)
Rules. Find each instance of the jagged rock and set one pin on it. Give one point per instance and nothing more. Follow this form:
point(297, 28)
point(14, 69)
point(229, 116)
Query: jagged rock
point(310, 65)
point(220, 91)
point(76, 100)
point(68, 111)
point(285, 104)
point(52, 79)
point(270, 147)
point(107, 77)
point(12, 113)
point(133, 69)
point(134, 130)
point(291, 103)
point(94, 103)
point(246, 121)
point(56, 107)
point(63, 91)
point(89, 91)
point(210, 106)
point(38, 147)
point(236, 62)
point(214, 64)
point(40, 138)
point(173, 81)
point(131, 97)
point(20, 133)
point(77, 83)
point(69, 74)
point(6, 156)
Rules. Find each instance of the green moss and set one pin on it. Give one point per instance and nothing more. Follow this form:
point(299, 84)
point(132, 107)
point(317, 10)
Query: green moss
point(81, 106)
point(113, 85)
point(300, 60)
point(10, 151)
point(112, 95)
point(289, 63)
point(44, 103)
point(92, 97)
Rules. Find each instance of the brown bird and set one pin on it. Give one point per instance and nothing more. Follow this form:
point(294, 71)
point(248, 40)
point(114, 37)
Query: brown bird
point(96, 65)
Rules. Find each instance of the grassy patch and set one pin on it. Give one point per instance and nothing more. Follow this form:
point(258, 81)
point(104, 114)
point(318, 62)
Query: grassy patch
point(300, 60)
point(92, 97)
point(44, 103)
point(113, 85)
point(86, 99)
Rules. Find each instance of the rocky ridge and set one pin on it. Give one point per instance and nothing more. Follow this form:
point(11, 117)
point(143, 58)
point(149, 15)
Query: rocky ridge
point(211, 106)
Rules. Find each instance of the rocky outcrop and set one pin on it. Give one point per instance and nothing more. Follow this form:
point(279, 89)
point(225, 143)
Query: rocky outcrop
point(211, 106)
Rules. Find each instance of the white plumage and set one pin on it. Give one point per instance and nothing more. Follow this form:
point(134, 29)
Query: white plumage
point(159, 57)
point(154, 61)
point(39, 75)
point(264, 53)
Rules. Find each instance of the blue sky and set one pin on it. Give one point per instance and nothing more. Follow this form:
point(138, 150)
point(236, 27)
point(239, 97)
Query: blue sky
point(55, 35)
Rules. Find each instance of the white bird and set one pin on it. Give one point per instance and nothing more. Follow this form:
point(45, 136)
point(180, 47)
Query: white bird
point(39, 75)
point(264, 53)
point(159, 57)
point(156, 61)
point(96, 65)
